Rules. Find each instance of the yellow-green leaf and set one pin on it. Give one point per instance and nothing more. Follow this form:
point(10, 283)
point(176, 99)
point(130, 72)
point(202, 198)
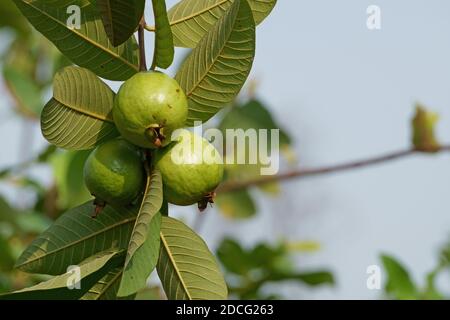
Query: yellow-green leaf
point(76, 236)
point(186, 267)
point(164, 50)
point(78, 116)
point(88, 46)
point(192, 19)
point(423, 124)
point(218, 67)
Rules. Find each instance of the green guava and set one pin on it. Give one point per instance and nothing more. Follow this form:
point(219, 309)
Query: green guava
point(148, 108)
point(114, 173)
point(191, 169)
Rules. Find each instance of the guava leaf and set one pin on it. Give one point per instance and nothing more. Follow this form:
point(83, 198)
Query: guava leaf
point(423, 124)
point(236, 205)
point(11, 17)
point(91, 270)
point(164, 50)
point(120, 18)
point(192, 19)
point(106, 288)
point(186, 267)
point(23, 88)
point(88, 46)
point(79, 116)
point(218, 67)
point(76, 236)
point(143, 249)
point(399, 284)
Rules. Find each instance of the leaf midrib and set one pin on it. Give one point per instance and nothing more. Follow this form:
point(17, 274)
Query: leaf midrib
point(95, 44)
point(85, 112)
point(123, 222)
point(208, 69)
point(192, 16)
point(169, 254)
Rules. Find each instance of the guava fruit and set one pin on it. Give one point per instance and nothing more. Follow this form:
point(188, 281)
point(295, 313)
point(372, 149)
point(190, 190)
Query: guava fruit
point(148, 108)
point(114, 173)
point(191, 169)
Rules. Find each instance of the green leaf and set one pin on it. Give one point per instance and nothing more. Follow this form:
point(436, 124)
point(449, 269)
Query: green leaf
point(106, 288)
point(76, 236)
point(88, 46)
point(143, 249)
point(192, 19)
point(313, 278)
point(218, 67)
point(67, 166)
point(6, 255)
point(11, 17)
point(234, 258)
point(164, 50)
point(399, 284)
point(79, 116)
point(186, 267)
point(236, 205)
point(91, 270)
point(23, 88)
point(120, 18)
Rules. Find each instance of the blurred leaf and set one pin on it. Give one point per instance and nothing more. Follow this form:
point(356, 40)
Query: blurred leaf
point(423, 124)
point(88, 46)
point(186, 267)
point(76, 236)
point(6, 256)
point(303, 246)
point(431, 292)
point(399, 284)
point(57, 288)
point(26, 94)
point(164, 50)
point(120, 18)
point(217, 69)
point(234, 258)
point(10, 17)
point(143, 249)
point(236, 205)
point(33, 222)
point(79, 115)
point(192, 19)
point(67, 170)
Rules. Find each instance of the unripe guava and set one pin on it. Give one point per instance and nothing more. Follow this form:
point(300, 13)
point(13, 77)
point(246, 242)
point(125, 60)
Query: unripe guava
point(114, 173)
point(148, 108)
point(191, 169)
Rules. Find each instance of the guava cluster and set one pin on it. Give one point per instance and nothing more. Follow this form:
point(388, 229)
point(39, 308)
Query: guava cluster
point(148, 109)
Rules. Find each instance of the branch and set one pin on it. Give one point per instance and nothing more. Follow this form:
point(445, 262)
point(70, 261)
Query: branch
point(301, 173)
point(141, 36)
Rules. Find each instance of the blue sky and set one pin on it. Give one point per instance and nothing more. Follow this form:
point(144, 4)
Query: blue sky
point(344, 93)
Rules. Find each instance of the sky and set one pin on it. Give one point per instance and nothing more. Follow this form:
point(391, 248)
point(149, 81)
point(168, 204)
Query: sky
point(343, 92)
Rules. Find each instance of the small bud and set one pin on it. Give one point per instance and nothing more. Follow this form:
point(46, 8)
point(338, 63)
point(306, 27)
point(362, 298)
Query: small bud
point(423, 124)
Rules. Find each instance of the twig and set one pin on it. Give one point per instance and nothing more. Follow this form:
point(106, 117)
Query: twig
point(149, 28)
point(300, 173)
point(141, 36)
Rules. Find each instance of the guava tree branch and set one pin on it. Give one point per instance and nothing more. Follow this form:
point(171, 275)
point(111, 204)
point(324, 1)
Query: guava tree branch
point(141, 36)
point(308, 172)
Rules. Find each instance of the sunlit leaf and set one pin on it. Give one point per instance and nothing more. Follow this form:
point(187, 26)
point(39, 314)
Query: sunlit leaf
point(399, 284)
point(192, 19)
point(87, 46)
point(106, 288)
point(218, 67)
point(186, 267)
point(79, 116)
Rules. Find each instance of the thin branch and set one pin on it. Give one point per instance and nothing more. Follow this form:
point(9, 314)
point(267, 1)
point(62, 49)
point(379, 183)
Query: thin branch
point(301, 173)
point(141, 36)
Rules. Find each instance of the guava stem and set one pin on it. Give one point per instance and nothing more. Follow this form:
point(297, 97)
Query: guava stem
point(141, 36)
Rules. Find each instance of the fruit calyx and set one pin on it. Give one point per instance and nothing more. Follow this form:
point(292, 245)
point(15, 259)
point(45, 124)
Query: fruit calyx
point(207, 199)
